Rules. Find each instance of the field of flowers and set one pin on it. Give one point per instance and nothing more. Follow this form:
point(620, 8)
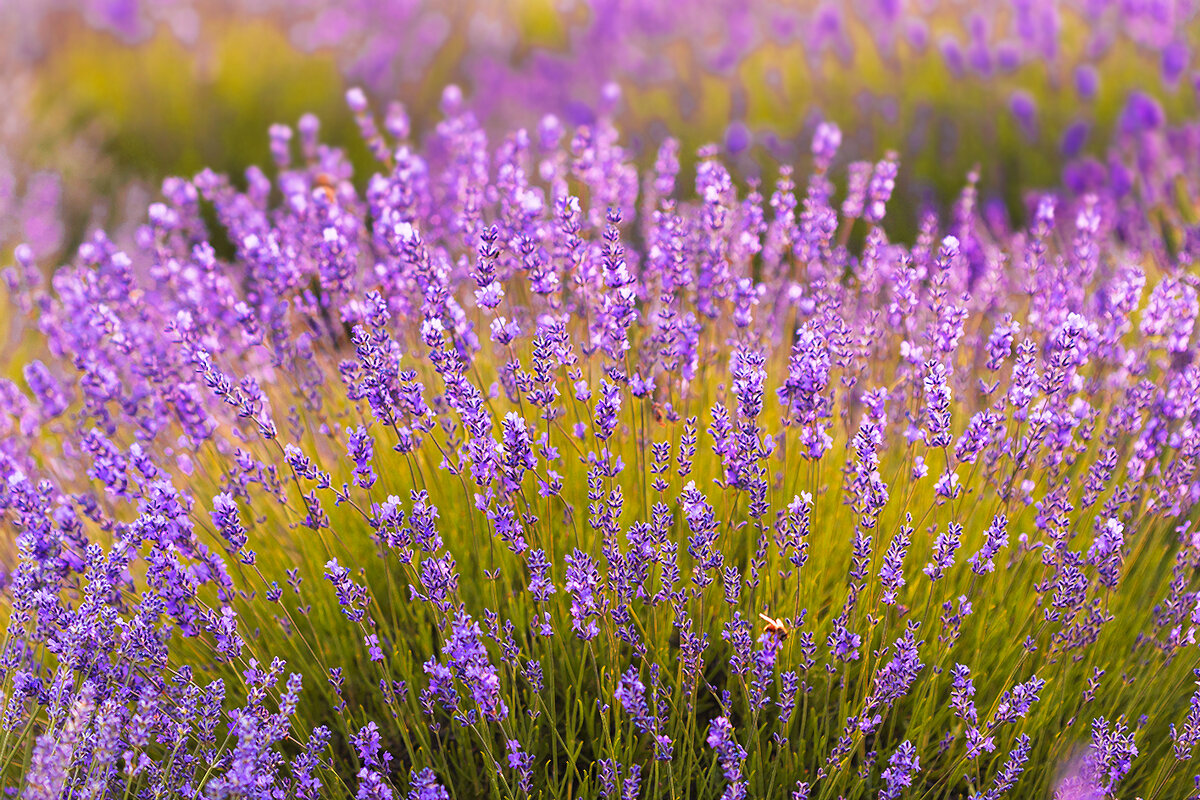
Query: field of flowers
point(513, 441)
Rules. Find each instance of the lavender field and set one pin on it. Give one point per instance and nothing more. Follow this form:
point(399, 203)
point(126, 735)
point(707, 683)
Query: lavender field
point(620, 399)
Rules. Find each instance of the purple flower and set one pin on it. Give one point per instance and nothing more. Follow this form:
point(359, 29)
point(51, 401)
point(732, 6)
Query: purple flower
point(351, 596)
point(1106, 552)
point(367, 744)
point(730, 756)
point(1087, 81)
point(1007, 777)
point(891, 573)
point(1016, 702)
point(1024, 109)
point(803, 392)
point(362, 451)
point(631, 694)
point(424, 786)
point(228, 522)
point(825, 143)
point(995, 539)
point(53, 751)
point(895, 678)
point(961, 692)
point(608, 407)
point(1141, 113)
point(879, 190)
point(903, 764)
point(517, 455)
point(944, 547)
point(583, 584)
point(468, 658)
point(519, 761)
point(46, 389)
point(1111, 756)
point(937, 404)
point(540, 584)
point(1185, 739)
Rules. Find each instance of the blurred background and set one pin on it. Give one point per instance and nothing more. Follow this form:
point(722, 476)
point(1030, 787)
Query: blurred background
point(101, 99)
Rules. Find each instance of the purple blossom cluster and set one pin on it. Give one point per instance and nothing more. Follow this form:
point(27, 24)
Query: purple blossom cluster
point(513, 470)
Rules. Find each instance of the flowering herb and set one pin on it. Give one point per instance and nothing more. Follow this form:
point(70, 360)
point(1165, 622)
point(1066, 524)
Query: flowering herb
point(514, 470)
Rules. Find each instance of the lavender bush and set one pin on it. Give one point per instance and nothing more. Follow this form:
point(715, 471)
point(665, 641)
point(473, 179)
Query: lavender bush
point(528, 473)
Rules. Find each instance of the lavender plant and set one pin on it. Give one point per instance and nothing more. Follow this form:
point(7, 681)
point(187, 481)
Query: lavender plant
point(525, 473)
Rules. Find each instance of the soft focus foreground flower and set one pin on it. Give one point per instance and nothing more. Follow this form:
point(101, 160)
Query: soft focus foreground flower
point(524, 473)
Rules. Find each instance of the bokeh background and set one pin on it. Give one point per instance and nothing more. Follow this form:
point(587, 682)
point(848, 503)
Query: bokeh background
point(103, 98)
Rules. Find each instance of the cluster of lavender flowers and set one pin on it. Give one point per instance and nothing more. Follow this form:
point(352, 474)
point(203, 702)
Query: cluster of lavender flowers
point(522, 472)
